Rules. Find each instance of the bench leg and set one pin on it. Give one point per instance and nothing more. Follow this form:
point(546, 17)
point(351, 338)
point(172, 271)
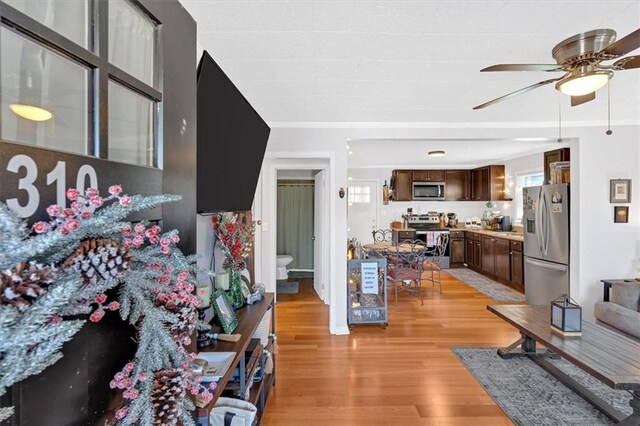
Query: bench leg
point(527, 346)
point(634, 418)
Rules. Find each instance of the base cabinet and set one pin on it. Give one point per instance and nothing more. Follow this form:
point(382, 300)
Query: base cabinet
point(496, 258)
point(457, 249)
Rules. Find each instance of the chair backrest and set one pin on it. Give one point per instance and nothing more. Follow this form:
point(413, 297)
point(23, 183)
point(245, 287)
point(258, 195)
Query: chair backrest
point(437, 252)
point(382, 235)
point(408, 254)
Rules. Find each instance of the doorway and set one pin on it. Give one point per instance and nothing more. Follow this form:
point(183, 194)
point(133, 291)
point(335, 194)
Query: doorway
point(295, 234)
point(362, 209)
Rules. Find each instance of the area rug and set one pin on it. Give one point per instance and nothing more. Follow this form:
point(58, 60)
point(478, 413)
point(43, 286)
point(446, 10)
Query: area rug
point(495, 290)
point(289, 287)
point(531, 396)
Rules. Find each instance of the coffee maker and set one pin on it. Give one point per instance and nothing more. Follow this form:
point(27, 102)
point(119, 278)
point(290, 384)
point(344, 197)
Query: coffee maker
point(452, 220)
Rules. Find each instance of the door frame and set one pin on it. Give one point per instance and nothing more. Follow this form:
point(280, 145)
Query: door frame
point(266, 212)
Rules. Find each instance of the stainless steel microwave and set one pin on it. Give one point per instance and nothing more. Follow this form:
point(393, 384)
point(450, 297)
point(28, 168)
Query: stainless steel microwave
point(425, 191)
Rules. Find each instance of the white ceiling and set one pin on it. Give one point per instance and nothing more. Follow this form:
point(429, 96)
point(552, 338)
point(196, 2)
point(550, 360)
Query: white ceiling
point(405, 61)
point(460, 153)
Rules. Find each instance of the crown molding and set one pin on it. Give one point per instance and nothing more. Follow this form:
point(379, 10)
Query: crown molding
point(443, 125)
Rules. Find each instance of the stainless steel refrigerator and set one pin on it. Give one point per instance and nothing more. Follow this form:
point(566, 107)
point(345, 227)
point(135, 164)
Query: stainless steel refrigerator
point(546, 242)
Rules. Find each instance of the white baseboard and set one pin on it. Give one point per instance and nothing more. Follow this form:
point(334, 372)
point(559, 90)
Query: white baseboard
point(340, 330)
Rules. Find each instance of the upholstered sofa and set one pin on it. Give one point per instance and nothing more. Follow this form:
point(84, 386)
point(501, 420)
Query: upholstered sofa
point(621, 308)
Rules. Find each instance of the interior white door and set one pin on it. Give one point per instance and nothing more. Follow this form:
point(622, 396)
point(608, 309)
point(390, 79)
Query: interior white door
point(362, 209)
point(318, 240)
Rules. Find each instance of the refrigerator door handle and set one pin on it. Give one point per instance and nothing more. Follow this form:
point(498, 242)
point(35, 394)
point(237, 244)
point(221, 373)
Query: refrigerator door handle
point(538, 219)
point(545, 223)
point(546, 265)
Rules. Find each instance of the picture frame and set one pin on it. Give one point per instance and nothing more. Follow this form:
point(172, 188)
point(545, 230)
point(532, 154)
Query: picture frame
point(621, 214)
point(224, 311)
point(245, 287)
point(620, 191)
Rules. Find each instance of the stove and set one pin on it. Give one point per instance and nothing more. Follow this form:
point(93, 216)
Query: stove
point(426, 224)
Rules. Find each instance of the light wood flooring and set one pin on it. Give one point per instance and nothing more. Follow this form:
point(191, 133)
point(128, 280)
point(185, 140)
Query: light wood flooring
point(404, 375)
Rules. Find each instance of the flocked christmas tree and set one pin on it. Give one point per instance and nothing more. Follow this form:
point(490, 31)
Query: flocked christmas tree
point(64, 267)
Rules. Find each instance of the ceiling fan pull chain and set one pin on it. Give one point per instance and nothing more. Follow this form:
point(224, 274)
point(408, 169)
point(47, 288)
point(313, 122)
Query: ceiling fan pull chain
point(609, 131)
point(559, 117)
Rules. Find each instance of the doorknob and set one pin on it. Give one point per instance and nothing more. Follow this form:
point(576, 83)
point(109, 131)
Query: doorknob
point(258, 222)
point(313, 237)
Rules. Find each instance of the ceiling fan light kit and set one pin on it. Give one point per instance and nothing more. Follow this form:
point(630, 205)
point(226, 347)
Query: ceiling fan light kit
point(580, 57)
point(582, 83)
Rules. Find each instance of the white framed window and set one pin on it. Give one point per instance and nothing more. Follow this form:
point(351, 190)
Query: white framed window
point(523, 181)
point(359, 194)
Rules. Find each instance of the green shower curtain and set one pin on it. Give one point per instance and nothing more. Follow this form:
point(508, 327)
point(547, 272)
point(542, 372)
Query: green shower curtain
point(295, 223)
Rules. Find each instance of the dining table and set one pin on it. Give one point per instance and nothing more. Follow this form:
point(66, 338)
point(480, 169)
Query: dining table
point(389, 247)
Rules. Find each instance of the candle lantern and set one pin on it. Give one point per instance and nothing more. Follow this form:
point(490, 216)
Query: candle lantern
point(566, 316)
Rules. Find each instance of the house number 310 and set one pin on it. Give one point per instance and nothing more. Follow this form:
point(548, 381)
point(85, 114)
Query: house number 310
point(25, 164)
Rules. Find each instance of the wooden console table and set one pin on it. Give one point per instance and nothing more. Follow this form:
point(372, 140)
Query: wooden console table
point(249, 317)
point(608, 356)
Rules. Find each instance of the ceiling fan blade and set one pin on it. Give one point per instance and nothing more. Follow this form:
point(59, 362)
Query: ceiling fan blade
point(517, 92)
point(623, 46)
point(523, 67)
point(627, 63)
point(579, 100)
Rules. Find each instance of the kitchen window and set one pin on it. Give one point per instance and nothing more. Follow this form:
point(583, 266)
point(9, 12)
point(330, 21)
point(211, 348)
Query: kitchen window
point(524, 181)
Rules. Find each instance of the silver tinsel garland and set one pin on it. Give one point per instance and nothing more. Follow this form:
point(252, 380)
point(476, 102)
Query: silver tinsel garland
point(31, 340)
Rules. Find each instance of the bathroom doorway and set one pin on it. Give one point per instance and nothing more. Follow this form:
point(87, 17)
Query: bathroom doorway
point(296, 240)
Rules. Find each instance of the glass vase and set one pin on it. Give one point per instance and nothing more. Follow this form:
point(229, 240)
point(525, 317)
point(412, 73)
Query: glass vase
point(236, 288)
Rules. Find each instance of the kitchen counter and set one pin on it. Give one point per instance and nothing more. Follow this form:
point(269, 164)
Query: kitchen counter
point(512, 236)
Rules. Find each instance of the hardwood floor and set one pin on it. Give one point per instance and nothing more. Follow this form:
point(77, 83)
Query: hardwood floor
point(404, 375)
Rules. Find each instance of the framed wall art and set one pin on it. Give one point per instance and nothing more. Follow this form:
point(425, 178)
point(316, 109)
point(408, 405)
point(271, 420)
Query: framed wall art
point(621, 214)
point(620, 191)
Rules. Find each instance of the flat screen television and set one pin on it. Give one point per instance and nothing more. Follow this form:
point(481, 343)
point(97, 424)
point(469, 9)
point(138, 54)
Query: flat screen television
point(231, 142)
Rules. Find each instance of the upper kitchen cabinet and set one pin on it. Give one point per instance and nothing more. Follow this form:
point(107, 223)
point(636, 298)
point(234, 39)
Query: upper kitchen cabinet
point(456, 185)
point(487, 183)
point(428, 175)
point(402, 185)
point(562, 154)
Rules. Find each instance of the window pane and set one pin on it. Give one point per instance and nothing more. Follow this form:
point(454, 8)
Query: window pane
point(38, 84)
point(132, 37)
point(130, 126)
point(67, 17)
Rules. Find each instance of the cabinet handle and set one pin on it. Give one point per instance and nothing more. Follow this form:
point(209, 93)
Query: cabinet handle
point(510, 252)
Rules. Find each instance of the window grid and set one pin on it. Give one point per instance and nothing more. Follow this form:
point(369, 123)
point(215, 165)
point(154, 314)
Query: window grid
point(359, 194)
point(95, 56)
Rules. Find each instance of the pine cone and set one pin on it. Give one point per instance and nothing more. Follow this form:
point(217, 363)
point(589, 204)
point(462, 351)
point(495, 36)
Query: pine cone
point(99, 258)
point(21, 286)
point(166, 396)
point(185, 325)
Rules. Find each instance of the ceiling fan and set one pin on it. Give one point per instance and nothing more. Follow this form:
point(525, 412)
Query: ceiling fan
point(580, 58)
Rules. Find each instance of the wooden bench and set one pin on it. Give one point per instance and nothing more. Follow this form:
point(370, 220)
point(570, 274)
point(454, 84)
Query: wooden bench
point(608, 356)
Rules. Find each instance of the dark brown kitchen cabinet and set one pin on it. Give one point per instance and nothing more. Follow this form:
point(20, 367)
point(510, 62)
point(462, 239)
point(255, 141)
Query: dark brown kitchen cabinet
point(502, 266)
point(517, 268)
point(488, 255)
point(477, 255)
point(428, 175)
point(402, 185)
point(517, 265)
point(456, 255)
point(468, 252)
point(487, 183)
point(562, 154)
point(456, 185)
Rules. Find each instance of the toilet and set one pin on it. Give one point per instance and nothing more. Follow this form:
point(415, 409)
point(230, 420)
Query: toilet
point(282, 260)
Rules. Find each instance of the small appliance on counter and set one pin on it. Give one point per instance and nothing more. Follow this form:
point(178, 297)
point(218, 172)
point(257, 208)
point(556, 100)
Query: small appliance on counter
point(452, 220)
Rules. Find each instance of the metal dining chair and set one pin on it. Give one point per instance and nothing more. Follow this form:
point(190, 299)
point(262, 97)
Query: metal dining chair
point(382, 235)
point(433, 259)
point(405, 267)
